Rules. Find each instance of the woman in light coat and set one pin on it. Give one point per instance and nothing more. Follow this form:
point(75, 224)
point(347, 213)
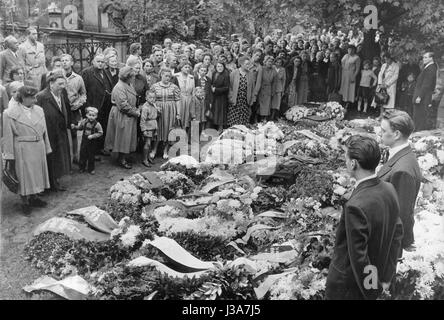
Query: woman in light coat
point(350, 68)
point(25, 146)
point(387, 79)
point(121, 134)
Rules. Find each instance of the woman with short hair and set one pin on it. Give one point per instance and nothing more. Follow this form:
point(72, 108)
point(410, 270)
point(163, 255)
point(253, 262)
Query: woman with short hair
point(350, 68)
point(25, 146)
point(121, 134)
point(168, 100)
point(185, 83)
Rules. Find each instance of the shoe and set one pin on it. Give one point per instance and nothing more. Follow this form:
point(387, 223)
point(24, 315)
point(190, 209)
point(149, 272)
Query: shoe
point(410, 248)
point(75, 161)
point(97, 158)
point(151, 160)
point(146, 163)
point(37, 202)
point(26, 209)
point(105, 153)
point(125, 165)
point(81, 170)
point(92, 172)
point(165, 157)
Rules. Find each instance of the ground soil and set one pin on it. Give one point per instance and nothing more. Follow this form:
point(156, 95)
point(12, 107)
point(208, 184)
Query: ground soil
point(16, 229)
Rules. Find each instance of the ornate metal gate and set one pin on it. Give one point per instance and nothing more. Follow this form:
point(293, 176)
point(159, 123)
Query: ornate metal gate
point(82, 52)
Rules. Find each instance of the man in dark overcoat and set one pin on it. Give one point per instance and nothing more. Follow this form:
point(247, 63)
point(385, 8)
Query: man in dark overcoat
point(402, 168)
point(98, 93)
point(422, 97)
point(55, 104)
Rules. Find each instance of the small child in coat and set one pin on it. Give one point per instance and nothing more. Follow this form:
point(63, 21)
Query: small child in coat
point(92, 130)
point(148, 126)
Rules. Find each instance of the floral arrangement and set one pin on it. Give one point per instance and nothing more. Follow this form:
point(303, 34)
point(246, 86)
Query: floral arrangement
point(342, 186)
point(310, 148)
point(422, 270)
point(303, 284)
point(138, 189)
point(297, 113)
point(334, 110)
point(430, 152)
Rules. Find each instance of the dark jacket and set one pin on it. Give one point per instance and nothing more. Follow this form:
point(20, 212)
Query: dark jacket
point(334, 77)
point(220, 97)
point(425, 85)
point(98, 89)
point(403, 172)
point(57, 122)
point(369, 234)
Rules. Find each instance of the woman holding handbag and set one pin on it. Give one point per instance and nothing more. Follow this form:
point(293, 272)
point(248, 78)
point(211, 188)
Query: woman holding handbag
point(387, 79)
point(25, 146)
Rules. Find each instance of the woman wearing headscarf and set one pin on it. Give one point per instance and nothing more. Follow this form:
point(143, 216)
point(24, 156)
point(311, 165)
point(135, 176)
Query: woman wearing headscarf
point(25, 146)
point(121, 135)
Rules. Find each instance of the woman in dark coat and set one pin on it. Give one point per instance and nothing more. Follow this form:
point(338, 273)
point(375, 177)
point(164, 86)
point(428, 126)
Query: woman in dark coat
point(318, 75)
point(334, 79)
point(220, 85)
point(54, 102)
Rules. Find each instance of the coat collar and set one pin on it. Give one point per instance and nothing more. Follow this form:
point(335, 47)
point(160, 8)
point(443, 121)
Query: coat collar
point(54, 103)
point(15, 112)
point(387, 167)
point(364, 185)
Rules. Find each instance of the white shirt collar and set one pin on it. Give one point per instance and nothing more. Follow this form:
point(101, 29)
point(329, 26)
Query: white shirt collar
point(429, 64)
point(395, 150)
point(365, 179)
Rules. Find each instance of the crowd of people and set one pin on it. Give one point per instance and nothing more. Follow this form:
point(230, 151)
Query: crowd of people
point(133, 106)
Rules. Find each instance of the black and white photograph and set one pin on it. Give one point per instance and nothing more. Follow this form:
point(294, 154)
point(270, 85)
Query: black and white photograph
point(222, 150)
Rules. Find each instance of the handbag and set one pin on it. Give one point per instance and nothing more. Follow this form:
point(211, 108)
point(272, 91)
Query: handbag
point(10, 180)
point(382, 97)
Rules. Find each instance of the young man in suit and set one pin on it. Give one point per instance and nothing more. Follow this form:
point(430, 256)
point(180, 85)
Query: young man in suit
point(369, 234)
point(422, 97)
point(401, 169)
point(9, 59)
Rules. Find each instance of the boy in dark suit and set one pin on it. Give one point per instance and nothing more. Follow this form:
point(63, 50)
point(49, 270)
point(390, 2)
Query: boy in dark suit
point(401, 169)
point(369, 234)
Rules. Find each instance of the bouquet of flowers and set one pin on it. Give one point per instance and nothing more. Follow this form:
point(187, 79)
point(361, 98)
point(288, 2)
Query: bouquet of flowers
point(334, 110)
point(430, 152)
point(270, 130)
point(125, 192)
point(297, 113)
point(342, 185)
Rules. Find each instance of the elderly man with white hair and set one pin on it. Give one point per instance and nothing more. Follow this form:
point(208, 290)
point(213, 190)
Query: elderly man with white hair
point(98, 92)
point(9, 58)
